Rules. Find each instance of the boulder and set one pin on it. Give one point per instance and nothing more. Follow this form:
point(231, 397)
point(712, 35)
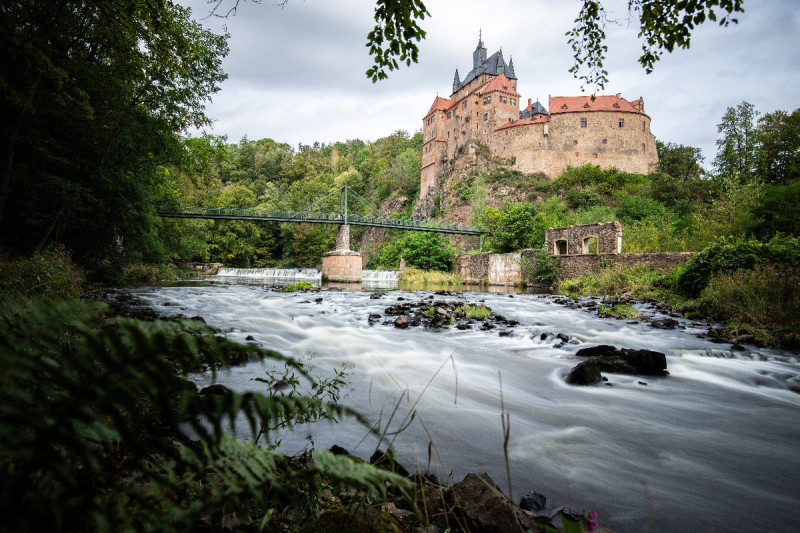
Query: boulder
point(646, 362)
point(597, 351)
point(485, 509)
point(533, 501)
point(584, 373)
point(215, 390)
point(402, 321)
point(664, 323)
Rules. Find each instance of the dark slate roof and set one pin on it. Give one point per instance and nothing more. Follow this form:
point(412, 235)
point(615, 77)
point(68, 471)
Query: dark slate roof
point(494, 65)
point(536, 109)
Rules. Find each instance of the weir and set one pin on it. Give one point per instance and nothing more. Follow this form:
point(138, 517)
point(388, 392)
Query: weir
point(267, 273)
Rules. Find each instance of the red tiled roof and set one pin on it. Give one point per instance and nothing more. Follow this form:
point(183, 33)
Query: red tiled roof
point(440, 104)
point(538, 119)
point(582, 104)
point(502, 84)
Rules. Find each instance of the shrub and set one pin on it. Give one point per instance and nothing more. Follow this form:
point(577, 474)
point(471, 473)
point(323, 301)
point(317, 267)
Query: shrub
point(727, 256)
point(543, 269)
point(582, 198)
point(764, 298)
point(50, 273)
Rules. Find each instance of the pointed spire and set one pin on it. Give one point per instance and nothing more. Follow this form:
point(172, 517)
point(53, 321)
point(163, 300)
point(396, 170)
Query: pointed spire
point(479, 55)
point(456, 81)
point(510, 70)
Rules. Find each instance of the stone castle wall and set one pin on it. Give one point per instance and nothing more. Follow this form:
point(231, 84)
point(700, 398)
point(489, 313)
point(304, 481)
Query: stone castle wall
point(552, 147)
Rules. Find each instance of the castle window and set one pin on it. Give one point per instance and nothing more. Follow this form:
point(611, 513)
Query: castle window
point(622, 123)
point(643, 149)
point(513, 101)
point(487, 100)
point(486, 116)
point(583, 123)
point(605, 141)
point(464, 105)
point(575, 142)
point(503, 100)
point(450, 115)
point(644, 126)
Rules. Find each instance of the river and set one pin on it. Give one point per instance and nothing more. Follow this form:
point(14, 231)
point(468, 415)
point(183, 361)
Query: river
point(711, 447)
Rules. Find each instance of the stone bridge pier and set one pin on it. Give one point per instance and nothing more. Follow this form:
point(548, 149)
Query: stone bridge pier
point(342, 264)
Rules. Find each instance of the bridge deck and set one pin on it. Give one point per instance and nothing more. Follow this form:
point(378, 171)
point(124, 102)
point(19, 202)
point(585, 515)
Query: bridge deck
point(317, 217)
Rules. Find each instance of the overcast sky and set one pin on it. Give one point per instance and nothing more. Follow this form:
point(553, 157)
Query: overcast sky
point(296, 73)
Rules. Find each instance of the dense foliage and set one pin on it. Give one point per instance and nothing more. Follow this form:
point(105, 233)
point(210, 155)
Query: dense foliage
point(93, 94)
point(100, 430)
point(725, 256)
point(426, 250)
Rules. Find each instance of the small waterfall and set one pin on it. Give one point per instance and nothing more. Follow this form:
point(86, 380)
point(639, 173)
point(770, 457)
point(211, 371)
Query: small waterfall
point(272, 273)
point(379, 276)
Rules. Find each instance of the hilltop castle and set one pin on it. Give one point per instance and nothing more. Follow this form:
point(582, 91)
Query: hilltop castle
point(608, 131)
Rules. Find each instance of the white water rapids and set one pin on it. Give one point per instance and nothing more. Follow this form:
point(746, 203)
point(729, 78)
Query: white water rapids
point(712, 447)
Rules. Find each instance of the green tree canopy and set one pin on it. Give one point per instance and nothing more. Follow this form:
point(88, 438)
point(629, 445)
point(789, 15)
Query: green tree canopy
point(426, 250)
point(94, 94)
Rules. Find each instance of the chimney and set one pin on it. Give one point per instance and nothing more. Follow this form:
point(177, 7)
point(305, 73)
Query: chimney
point(529, 106)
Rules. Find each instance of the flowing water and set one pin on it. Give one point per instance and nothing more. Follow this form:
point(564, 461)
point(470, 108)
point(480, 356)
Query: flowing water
point(712, 447)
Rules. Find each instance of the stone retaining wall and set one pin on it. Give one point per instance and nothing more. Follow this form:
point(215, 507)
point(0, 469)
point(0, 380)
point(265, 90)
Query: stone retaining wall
point(506, 269)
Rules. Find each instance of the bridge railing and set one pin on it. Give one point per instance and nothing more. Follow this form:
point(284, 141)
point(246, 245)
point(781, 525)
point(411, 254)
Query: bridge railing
point(318, 216)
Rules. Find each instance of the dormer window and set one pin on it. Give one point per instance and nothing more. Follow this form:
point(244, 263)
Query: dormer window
point(586, 105)
point(564, 106)
point(616, 105)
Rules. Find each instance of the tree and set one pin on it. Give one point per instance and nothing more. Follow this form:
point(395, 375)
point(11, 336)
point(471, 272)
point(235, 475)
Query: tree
point(511, 227)
point(679, 175)
point(777, 137)
point(94, 95)
point(736, 149)
point(425, 250)
point(663, 25)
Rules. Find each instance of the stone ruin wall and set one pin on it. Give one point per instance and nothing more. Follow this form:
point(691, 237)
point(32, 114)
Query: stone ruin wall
point(506, 269)
point(573, 240)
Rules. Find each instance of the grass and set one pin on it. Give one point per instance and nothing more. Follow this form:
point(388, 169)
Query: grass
point(638, 281)
point(429, 277)
point(299, 286)
point(620, 311)
point(473, 312)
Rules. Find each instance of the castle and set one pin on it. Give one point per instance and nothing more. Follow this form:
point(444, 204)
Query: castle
point(484, 107)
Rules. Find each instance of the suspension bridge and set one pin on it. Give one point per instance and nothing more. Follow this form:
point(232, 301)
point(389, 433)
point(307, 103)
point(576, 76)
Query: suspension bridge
point(314, 216)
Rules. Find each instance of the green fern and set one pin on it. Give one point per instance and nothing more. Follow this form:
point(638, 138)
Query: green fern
point(100, 430)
